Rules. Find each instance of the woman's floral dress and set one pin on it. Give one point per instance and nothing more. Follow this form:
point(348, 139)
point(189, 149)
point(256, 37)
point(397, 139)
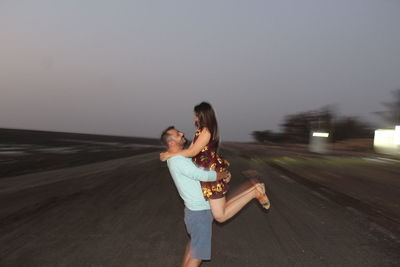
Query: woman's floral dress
point(208, 159)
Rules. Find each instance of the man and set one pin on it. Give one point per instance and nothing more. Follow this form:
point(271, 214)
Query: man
point(198, 217)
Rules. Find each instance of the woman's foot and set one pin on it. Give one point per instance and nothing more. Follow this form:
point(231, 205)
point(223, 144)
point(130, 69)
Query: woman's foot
point(261, 196)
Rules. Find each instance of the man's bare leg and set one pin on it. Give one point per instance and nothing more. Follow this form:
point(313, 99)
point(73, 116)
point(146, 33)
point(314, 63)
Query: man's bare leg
point(186, 257)
point(187, 260)
point(193, 263)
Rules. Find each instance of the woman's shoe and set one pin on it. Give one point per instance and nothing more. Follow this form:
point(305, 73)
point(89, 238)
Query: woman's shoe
point(262, 197)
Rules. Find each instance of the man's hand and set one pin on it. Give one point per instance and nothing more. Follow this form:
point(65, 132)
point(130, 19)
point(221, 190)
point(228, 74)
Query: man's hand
point(223, 175)
point(228, 179)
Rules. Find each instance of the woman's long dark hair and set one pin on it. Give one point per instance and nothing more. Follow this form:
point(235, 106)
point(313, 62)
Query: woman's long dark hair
point(207, 118)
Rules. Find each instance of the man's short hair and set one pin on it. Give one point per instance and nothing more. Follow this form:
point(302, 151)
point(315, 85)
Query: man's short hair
point(165, 136)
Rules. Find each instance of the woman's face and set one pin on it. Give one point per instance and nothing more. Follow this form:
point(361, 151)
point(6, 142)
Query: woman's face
point(196, 119)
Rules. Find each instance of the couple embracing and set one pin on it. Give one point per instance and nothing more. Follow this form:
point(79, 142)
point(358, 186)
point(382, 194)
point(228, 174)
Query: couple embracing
point(202, 177)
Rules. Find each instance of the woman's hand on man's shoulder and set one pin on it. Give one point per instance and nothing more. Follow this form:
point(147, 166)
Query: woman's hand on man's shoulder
point(163, 156)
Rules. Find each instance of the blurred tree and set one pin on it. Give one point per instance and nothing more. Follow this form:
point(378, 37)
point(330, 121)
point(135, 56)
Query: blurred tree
point(350, 127)
point(261, 136)
point(297, 127)
point(392, 114)
point(268, 136)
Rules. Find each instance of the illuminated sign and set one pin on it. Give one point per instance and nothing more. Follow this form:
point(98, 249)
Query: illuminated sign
point(387, 141)
point(316, 134)
point(397, 135)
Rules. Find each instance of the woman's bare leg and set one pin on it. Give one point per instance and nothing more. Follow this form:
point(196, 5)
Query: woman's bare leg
point(223, 210)
point(243, 189)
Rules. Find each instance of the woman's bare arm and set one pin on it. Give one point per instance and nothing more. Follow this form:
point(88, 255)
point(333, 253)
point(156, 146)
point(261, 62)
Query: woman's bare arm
point(194, 149)
point(201, 142)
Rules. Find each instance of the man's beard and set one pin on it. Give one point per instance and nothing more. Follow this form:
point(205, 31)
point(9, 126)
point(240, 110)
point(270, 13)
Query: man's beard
point(185, 143)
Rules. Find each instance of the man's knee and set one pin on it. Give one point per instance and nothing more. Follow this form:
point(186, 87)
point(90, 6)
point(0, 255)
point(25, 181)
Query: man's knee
point(193, 263)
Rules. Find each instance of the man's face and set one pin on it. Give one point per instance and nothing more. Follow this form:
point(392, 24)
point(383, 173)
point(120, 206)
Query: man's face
point(177, 137)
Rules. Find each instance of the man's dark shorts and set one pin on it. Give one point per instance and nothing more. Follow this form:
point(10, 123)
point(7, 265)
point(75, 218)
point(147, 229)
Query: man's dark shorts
point(199, 226)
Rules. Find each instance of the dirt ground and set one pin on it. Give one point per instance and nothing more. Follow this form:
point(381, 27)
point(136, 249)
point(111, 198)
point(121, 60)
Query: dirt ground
point(127, 212)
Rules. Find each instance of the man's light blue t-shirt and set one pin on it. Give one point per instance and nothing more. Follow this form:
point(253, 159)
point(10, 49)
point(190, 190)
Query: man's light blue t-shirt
point(186, 177)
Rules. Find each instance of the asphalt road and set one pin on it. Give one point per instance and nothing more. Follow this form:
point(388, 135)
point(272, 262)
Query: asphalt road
point(126, 212)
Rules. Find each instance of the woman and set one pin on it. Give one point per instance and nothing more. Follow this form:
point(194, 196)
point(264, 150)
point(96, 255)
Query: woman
point(204, 153)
